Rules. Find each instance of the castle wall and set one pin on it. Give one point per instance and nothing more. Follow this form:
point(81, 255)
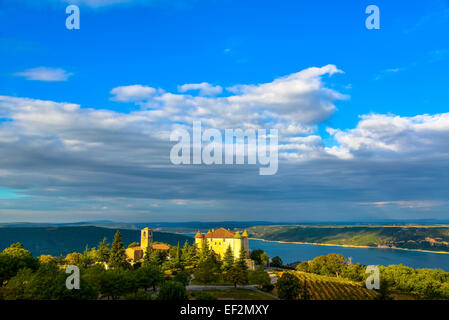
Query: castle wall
point(219, 245)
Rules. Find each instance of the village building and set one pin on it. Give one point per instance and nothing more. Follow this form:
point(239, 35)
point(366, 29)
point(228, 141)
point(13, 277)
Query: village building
point(135, 254)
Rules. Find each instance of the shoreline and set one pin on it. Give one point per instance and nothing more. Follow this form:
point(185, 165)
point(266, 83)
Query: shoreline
point(351, 246)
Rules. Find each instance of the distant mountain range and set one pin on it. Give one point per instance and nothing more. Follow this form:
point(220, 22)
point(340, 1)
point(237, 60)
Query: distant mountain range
point(56, 240)
point(195, 225)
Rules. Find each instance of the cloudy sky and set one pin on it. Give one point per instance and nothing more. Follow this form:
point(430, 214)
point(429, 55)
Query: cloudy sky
point(86, 115)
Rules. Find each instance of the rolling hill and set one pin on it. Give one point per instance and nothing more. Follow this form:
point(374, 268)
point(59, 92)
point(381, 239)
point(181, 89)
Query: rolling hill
point(64, 240)
point(432, 238)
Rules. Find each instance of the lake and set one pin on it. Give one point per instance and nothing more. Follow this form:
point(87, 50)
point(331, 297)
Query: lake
point(292, 252)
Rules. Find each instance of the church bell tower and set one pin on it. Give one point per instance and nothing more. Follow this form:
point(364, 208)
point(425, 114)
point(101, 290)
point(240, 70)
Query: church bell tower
point(146, 238)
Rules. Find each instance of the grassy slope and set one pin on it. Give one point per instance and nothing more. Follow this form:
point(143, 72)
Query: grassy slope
point(425, 238)
point(63, 240)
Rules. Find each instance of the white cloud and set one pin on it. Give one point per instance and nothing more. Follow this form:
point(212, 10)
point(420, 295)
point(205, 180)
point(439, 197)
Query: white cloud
point(411, 204)
point(388, 71)
point(293, 104)
point(205, 89)
point(44, 74)
point(382, 135)
point(179, 202)
point(132, 93)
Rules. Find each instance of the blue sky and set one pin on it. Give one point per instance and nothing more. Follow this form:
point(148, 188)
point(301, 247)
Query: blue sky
point(400, 70)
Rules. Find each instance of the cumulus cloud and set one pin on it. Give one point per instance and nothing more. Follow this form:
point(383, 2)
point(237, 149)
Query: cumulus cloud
point(135, 92)
point(205, 89)
point(293, 104)
point(380, 135)
point(44, 74)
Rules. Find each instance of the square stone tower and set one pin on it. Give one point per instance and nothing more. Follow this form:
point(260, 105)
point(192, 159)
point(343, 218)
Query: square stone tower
point(146, 238)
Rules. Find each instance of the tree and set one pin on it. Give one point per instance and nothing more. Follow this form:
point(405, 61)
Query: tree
point(205, 250)
point(147, 256)
point(182, 277)
point(330, 265)
point(288, 286)
point(13, 259)
point(178, 258)
point(259, 256)
point(259, 277)
point(241, 261)
point(276, 262)
point(157, 257)
point(303, 266)
point(74, 258)
point(133, 245)
point(172, 290)
point(336, 264)
point(116, 283)
point(148, 276)
point(89, 256)
point(190, 254)
point(355, 272)
point(228, 259)
point(384, 291)
point(47, 283)
point(47, 258)
point(16, 286)
point(236, 275)
point(207, 271)
point(264, 258)
point(117, 258)
point(103, 251)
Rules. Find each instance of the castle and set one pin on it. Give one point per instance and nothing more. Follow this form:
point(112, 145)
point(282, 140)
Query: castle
point(134, 254)
point(219, 240)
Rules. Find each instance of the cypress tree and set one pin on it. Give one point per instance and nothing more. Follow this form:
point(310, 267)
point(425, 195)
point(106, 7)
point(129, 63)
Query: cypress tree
point(205, 250)
point(103, 251)
point(228, 259)
point(241, 263)
point(117, 258)
point(147, 256)
point(178, 254)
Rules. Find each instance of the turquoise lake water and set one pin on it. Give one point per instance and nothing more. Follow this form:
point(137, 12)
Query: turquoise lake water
point(291, 252)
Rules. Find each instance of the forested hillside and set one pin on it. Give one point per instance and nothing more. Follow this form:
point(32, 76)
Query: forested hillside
point(407, 237)
point(63, 240)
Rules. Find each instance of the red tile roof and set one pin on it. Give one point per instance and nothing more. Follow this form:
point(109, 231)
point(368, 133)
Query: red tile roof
point(220, 233)
point(160, 246)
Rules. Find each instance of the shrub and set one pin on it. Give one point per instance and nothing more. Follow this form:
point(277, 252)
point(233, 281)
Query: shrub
point(172, 290)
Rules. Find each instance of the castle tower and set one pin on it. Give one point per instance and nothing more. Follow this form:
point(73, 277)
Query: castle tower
point(146, 238)
point(237, 244)
point(199, 239)
point(245, 242)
